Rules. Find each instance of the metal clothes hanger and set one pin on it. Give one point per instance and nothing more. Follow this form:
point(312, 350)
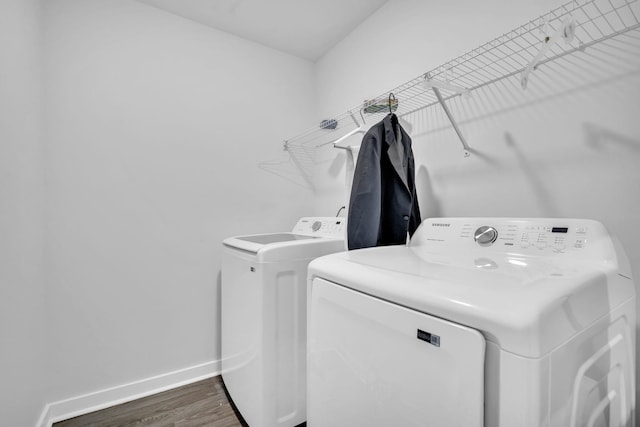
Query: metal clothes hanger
point(394, 118)
point(392, 97)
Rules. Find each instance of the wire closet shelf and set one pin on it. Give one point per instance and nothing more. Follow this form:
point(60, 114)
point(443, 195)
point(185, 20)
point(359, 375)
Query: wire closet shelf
point(572, 27)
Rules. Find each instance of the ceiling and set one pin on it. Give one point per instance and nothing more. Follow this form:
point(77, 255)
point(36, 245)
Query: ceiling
point(304, 28)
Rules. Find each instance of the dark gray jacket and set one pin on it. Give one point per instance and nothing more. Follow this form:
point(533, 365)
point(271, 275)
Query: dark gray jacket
point(383, 207)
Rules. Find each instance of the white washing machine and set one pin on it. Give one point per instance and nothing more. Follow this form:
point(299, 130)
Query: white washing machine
point(478, 322)
point(263, 323)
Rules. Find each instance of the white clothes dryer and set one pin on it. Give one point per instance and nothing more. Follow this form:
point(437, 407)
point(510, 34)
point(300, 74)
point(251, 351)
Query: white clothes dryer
point(263, 322)
point(477, 322)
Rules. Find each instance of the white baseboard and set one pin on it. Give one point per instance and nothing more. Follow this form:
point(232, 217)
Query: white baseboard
point(80, 405)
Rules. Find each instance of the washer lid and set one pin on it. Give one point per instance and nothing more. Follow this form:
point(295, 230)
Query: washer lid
point(253, 243)
point(307, 231)
point(528, 304)
point(265, 239)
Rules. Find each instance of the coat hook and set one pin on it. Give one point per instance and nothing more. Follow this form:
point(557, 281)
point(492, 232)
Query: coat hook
point(391, 96)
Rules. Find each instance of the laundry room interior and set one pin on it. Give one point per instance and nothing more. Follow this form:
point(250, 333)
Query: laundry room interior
point(137, 135)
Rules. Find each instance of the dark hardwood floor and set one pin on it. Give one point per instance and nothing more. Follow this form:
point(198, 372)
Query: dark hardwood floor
point(204, 403)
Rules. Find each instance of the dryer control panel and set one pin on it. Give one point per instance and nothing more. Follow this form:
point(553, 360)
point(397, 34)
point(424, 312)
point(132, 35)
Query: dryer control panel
point(321, 227)
point(532, 235)
point(539, 236)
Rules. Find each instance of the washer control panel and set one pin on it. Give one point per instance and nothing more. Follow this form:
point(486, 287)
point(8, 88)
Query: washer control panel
point(321, 227)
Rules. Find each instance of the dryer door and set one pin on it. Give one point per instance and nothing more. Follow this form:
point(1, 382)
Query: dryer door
point(373, 363)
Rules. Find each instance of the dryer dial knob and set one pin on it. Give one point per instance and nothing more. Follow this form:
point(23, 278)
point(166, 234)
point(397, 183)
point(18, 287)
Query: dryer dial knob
point(316, 226)
point(485, 235)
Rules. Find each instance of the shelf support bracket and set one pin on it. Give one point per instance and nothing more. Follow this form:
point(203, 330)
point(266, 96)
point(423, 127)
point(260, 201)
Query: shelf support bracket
point(435, 87)
point(566, 32)
point(359, 129)
point(336, 143)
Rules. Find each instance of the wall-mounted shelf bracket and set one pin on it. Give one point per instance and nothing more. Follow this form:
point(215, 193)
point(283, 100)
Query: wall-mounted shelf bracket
point(337, 142)
point(566, 31)
point(359, 129)
point(431, 83)
point(435, 86)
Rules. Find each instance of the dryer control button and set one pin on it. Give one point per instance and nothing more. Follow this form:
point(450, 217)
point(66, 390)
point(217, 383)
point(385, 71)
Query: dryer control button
point(485, 235)
point(316, 226)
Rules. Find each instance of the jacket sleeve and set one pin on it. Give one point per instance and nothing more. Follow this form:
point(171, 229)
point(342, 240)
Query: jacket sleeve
point(415, 219)
point(363, 221)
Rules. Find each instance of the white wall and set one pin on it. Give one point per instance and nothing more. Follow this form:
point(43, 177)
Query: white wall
point(569, 146)
point(22, 350)
point(155, 126)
